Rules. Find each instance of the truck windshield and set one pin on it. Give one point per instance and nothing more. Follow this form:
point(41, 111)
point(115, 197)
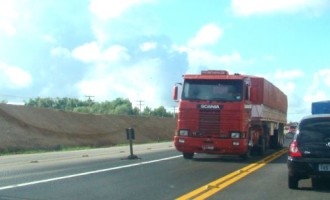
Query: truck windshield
point(213, 90)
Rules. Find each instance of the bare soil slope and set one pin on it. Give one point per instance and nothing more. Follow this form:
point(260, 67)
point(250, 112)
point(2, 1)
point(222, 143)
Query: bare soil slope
point(25, 128)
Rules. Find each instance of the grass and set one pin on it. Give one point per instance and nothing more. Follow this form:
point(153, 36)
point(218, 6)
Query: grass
point(59, 148)
point(33, 151)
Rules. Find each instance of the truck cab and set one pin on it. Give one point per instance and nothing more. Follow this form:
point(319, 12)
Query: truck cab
point(216, 115)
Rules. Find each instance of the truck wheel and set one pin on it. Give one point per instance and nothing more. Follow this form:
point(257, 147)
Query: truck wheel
point(188, 155)
point(281, 140)
point(277, 140)
point(262, 146)
point(247, 155)
point(273, 141)
point(293, 182)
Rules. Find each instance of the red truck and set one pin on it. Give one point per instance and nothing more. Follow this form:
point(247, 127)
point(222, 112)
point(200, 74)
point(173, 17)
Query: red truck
point(228, 114)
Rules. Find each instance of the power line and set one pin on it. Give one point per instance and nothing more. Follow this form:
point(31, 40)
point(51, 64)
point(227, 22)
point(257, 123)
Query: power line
point(90, 100)
point(140, 104)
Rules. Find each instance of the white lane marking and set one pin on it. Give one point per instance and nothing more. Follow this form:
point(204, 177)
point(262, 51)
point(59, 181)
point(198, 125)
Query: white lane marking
point(85, 173)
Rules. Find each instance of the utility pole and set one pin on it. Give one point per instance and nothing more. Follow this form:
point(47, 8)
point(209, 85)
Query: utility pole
point(140, 104)
point(174, 107)
point(90, 101)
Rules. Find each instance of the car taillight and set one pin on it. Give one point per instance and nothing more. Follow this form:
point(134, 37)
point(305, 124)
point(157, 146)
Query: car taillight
point(294, 151)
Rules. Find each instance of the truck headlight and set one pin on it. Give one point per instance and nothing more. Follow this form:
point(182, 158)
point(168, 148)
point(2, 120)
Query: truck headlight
point(235, 135)
point(183, 132)
point(235, 143)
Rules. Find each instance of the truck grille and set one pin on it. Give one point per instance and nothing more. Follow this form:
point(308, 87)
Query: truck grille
point(209, 121)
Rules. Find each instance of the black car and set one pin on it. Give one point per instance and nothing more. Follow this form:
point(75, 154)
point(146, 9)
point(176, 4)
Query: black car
point(309, 153)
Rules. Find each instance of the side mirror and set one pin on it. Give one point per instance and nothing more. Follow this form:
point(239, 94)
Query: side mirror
point(247, 92)
point(175, 93)
point(247, 86)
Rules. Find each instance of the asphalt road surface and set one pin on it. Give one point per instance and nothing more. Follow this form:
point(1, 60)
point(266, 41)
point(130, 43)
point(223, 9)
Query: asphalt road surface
point(160, 172)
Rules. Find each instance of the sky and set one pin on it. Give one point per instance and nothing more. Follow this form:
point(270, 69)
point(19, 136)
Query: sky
point(138, 49)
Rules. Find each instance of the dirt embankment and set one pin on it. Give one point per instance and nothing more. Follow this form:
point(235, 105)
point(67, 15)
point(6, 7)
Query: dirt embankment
point(27, 128)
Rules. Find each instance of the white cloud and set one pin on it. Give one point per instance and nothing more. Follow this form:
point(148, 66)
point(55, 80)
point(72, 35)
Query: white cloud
point(291, 74)
point(60, 51)
point(109, 9)
point(115, 53)
point(302, 89)
point(8, 16)
point(95, 87)
point(201, 58)
point(319, 87)
point(318, 95)
point(131, 82)
point(14, 77)
point(49, 38)
point(7, 27)
point(289, 87)
point(147, 46)
point(141, 82)
point(92, 53)
point(207, 35)
point(251, 7)
point(231, 59)
point(100, 34)
point(87, 53)
point(129, 72)
point(325, 76)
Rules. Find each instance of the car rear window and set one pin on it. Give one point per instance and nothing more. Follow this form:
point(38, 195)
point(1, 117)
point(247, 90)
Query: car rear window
point(314, 130)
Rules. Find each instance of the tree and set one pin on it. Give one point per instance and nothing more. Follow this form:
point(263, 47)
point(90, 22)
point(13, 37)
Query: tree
point(82, 109)
point(147, 111)
point(118, 106)
point(161, 112)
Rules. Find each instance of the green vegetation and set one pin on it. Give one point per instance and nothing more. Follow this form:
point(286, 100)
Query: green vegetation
point(60, 148)
point(118, 106)
point(33, 151)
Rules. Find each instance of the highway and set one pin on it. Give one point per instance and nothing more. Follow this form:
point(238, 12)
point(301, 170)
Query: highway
point(160, 172)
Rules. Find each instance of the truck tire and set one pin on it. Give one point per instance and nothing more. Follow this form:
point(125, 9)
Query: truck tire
point(293, 182)
point(247, 155)
point(277, 140)
point(281, 140)
point(273, 141)
point(261, 146)
point(188, 155)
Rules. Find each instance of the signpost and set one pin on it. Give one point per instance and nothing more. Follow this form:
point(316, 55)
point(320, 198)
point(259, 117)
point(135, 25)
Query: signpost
point(130, 134)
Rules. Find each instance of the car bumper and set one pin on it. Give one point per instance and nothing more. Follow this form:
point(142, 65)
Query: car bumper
point(307, 168)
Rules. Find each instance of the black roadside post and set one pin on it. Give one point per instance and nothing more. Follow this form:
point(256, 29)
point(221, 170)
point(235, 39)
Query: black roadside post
point(131, 136)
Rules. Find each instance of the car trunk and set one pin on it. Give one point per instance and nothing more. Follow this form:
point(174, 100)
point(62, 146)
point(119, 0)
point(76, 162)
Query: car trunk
point(315, 150)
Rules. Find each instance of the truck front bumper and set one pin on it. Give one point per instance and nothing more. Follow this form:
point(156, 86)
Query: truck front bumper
point(227, 146)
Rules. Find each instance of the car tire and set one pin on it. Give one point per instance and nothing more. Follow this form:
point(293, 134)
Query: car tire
point(316, 183)
point(188, 155)
point(293, 182)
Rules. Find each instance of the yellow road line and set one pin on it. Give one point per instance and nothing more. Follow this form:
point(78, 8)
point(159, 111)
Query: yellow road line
point(223, 182)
